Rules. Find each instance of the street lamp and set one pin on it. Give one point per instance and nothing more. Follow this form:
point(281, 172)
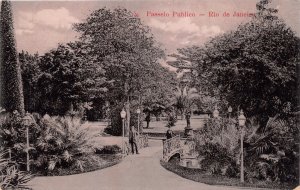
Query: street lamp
point(216, 113)
point(26, 123)
point(242, 121)
point(138, 111)
point(229, 111)
point(123, 115)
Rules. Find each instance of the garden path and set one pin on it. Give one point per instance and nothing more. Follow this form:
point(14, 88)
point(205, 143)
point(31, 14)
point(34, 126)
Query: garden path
point(135, 172)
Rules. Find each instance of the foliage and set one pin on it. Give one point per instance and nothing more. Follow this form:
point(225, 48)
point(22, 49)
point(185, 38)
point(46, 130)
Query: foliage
point(125, 48)
point(30, 74)
point(67, 77)
point(185, 98)
point(116, 121)
point(13, 136)
point(11, 82)
point(217, 143)
point(201, 176)
point(62, 142)
point(274, 154)
point(11, 177)
point(237, 65)
point(109, 149)
point(172, 118)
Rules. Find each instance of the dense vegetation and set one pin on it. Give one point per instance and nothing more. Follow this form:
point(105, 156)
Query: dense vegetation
point(252, 67)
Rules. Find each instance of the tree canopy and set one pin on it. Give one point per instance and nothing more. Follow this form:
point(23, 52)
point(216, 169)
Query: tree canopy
point(253, 66)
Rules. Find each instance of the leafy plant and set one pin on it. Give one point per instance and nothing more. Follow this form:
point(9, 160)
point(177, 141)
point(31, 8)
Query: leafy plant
point(12, 136)
point(63, 143)
point(109, 149)
point(217, 143)
point(11, 177)
point(273, 154)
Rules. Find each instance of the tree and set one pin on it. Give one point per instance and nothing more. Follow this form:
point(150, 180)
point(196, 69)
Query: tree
point(67, 78)
point(194, 88)
point(122, 45)
point(252, 67)
point(11, 82)
point(30, 72)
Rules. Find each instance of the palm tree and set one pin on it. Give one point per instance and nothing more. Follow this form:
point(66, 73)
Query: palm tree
point(185, 98)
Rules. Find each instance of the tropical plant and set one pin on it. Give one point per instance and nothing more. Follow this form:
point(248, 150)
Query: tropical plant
point(273, 154)
point(12, 136)
point(185, 98)
point(62, 143)
point(218, 146)
point(11, 177)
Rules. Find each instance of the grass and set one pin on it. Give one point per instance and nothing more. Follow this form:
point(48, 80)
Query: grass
point(201, 176)
point(101, 161)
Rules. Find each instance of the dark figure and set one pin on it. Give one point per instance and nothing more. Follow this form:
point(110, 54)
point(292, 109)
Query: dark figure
point(132, 140)
point(148, 118)
point(188, 118)
point(169, 133)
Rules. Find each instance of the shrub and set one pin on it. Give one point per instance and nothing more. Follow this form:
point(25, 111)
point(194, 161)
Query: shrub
point(109, 149)
point(13, 136)
point(273, 154)
point(218, 145)
point(11, 177)
point(62, 143)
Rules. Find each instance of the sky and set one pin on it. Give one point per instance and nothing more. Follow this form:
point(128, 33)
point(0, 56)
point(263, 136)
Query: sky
point(41, 25)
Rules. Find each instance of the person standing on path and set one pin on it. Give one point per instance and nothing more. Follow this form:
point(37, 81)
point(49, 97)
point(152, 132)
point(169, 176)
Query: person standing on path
point(133, 139)
point(169, 134)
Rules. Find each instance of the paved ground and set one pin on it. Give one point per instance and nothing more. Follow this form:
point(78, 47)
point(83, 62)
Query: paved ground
point(136, 172)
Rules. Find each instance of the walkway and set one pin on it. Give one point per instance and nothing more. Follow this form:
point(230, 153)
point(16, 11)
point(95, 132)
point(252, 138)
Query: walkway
point(136, 172)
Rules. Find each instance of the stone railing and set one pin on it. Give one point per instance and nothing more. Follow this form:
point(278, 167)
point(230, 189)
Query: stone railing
point(170, 146)
point(143, 141)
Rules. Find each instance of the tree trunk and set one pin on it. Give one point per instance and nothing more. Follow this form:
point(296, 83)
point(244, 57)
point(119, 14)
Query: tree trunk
point(127, 119)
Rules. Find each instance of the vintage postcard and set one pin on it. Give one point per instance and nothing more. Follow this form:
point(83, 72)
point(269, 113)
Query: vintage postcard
point(149, 94)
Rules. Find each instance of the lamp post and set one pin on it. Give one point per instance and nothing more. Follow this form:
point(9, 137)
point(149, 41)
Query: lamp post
point(27, 122)
point(229, 112)
point(123, 115)
point(138, 111)
point(216, 112)
point(242, 121)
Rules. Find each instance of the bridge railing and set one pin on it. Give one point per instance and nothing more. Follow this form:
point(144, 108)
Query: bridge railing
point(143, 141)
point(169, 146)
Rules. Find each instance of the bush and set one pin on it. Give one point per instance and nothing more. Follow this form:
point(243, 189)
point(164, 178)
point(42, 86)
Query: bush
point(109, 149)
point(11, 177)
point(271, 155)
point(218, 144)
point(13, 136)
point(62, 143)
